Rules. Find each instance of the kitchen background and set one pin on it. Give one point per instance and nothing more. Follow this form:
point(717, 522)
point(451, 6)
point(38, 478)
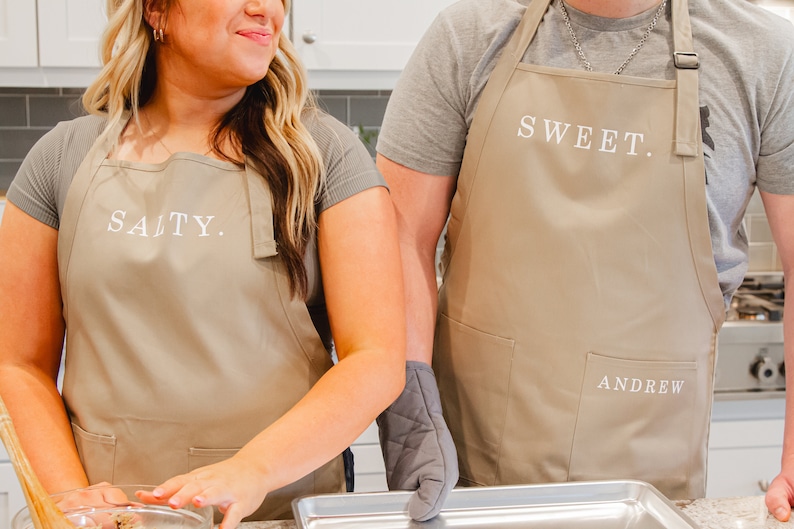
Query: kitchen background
point(354, 50)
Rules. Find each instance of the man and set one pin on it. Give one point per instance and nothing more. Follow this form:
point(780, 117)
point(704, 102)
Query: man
point(595, 159)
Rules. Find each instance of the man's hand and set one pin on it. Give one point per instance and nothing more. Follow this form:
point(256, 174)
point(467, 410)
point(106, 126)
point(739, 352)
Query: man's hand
point(417, 447)
point(779, 497)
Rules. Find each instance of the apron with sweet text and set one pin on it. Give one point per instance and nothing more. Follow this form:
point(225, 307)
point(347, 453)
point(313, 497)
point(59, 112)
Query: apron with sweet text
point(183, 339)
point(580, 306)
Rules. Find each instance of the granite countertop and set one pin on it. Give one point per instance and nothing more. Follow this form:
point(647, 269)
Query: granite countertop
point(732, 513)
point(709, 513)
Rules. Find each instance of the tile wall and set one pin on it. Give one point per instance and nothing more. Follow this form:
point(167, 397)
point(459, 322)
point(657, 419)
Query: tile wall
point(27, 113)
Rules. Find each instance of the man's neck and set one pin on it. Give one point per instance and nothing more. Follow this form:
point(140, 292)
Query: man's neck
point(613, 8)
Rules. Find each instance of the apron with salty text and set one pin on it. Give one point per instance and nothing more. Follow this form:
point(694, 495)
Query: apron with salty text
point(183, 339)
point(580, 306)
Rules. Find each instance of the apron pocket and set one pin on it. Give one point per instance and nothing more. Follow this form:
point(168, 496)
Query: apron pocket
point(474, 385)
point(201, 457)
point(97, 453)
point(635, 421)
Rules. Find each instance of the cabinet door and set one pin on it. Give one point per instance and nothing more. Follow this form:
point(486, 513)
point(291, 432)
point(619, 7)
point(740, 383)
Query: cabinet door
point(360, 35)
point(368, 462)
point(744, 456)
point(69, 32)
point(12, 500)
point(18, 47)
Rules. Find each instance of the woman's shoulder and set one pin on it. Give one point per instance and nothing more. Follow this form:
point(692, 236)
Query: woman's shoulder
point(65, 132)
point(325, 128)
point(47, 170)
point(349, 166)
point(336, 141)
point(89, 126)
point(74, 139)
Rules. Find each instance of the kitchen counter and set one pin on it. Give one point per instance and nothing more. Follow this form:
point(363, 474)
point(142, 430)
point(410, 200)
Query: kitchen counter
point(708, 513)
point(732, 513)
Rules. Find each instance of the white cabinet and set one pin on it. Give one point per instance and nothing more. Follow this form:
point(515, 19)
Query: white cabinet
point(744, 457)
point(69, 32)
point(50, 42)
point(12, 499)
point(18, 44)
point(745, 447)
point(368, 464)
point(359, 44)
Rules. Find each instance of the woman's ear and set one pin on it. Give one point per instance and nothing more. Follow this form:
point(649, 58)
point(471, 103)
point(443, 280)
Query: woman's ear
point(154, 13)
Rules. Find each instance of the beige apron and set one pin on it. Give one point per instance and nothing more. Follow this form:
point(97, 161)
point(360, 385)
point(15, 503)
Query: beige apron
point(183, 341)
point(580, 305)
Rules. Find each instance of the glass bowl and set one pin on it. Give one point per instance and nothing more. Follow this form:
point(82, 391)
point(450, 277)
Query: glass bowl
point(127, 511)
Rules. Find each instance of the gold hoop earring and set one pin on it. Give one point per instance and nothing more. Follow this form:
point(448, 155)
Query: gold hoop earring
point(158, 35)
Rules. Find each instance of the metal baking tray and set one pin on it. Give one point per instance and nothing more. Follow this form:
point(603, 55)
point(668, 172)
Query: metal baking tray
point(574, 505)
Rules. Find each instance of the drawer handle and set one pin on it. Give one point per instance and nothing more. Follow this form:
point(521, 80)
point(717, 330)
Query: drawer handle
point(763, 484)
point(309, 37)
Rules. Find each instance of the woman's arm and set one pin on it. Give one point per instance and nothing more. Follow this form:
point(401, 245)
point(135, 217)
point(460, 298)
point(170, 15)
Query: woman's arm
point(362, 279)
point(31, 341)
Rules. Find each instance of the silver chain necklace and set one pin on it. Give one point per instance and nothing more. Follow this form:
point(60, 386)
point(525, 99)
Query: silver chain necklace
point(578, 47)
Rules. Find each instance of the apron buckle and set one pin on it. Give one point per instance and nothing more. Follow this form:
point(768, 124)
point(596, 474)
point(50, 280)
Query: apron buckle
point(686, 60)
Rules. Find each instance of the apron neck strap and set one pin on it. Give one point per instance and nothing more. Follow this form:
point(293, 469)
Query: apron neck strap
point(261, 204)
point(687, 112)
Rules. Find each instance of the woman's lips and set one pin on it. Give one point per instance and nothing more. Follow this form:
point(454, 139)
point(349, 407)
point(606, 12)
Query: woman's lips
point(257, 35)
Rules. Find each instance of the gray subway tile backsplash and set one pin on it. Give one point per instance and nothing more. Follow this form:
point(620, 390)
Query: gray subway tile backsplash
point(16, 91)
point(15, 142)
point(47, 111)
point(337, 106)
point(367, 111)
point(7, 172)
point(13, 111)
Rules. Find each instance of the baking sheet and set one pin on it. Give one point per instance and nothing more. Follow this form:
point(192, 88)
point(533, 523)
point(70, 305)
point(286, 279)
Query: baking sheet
point(575, 505)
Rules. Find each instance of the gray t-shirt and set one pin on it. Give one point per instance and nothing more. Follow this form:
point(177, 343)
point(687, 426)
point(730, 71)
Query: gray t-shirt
point(43, 180)
point(746, 81)
point(40, 186)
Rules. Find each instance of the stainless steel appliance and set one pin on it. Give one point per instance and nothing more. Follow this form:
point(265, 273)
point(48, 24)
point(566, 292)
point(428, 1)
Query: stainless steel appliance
point(750, 359)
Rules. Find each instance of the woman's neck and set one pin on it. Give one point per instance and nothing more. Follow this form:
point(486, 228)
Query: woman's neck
point(613, 8)
point(191, 109)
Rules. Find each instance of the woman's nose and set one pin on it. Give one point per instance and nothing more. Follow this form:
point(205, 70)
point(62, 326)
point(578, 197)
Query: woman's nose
point(266, 8)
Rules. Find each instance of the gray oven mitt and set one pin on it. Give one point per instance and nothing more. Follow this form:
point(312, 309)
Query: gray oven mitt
point(417, 447)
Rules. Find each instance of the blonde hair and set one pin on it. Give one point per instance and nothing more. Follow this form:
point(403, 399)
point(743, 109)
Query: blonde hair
point(267, 123)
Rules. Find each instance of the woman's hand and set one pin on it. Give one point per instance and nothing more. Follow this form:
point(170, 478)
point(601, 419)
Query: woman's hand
point(98, 496)
point(235, 486)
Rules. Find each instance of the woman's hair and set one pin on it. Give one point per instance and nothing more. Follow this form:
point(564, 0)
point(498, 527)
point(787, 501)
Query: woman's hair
point(266, 123)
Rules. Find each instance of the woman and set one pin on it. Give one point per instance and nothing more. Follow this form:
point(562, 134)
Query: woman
point(172, 238)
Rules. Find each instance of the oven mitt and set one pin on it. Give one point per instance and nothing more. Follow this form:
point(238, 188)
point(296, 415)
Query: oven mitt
point(417, 447)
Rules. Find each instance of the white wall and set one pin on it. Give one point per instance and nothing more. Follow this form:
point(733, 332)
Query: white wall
point(2, 207)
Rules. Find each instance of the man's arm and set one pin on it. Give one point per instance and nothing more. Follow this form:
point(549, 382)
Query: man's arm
point(417, 447)
point(422, 205)
point(780, 212)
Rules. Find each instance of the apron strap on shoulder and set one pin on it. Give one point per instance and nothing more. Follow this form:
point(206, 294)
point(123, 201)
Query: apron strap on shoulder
point(687, 107)
point(260, 203)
